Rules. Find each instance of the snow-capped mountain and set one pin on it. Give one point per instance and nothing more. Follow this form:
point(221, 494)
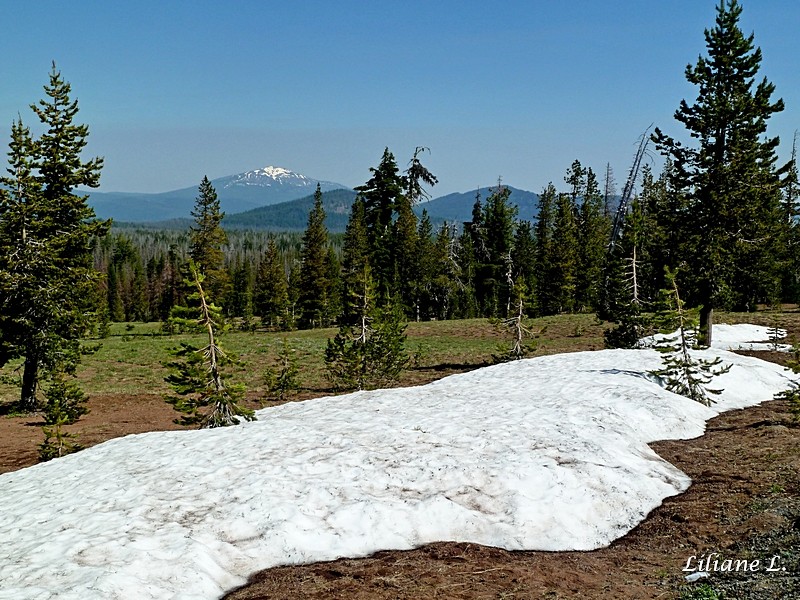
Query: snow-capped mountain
point(270, 176)
point(237, 193)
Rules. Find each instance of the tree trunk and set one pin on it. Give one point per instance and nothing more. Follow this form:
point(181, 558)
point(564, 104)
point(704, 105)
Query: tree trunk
point(706, 324)
point(30, 382)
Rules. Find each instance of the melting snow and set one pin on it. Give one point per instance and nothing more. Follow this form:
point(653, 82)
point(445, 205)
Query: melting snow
point(547, 453)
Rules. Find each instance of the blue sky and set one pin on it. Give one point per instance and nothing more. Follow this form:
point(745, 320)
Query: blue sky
point(517, 89)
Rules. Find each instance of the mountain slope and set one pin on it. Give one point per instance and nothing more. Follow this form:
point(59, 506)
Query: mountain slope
point(293, 215)
point(237, 193)
point(457, 207)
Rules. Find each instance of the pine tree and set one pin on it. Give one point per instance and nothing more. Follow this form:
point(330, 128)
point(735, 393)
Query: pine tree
point(380, 196)
point(683, 373)
point(547, 289)
point(282, 378)
point(271, 299)
point(564, 254)
point(515, 325)
point(65, 404)
point(370, 350)
point(593, 232)
point(47, 280)
point(494, 234)
point(407, 261)
point(197, 373)
point(314, 300)
point(623, 302)
point(206, 238)
point(729, 179)
point(355, 250)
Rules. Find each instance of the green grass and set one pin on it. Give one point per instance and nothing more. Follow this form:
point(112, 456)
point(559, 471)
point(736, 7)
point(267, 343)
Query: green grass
point(131, 359)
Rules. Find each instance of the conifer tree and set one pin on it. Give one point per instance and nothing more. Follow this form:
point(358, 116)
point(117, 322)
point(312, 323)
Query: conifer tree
point(493, 232)
point(683, 373)
point(207, 237)
point(729, 178)
point(593, 232)
point(515, 325)
point(623, 302)
point(407, 261)
point(355, 250)
point(282, 378)
point(197, 373)
point(547, 289)
point(271, 299)
point(427, 266)
point(369, 351)
point(240, 299)
point(564, 254)
point(380, 196)
point(65, 404)
point(314, 299)
point(47, 278)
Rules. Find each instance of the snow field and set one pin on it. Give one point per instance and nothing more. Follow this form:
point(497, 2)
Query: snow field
point(547, 453)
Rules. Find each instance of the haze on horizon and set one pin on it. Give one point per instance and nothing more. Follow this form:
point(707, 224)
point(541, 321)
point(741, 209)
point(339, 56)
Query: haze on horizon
point(174, 91)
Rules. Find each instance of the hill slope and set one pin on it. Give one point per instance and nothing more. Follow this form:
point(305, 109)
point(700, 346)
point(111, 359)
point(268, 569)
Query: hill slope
point(237, 193)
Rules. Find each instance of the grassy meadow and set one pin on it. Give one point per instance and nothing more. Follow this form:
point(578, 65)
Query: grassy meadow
point(131, 360)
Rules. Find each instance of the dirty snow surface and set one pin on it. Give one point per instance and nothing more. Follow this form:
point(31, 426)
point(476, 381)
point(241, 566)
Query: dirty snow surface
point(548, 453)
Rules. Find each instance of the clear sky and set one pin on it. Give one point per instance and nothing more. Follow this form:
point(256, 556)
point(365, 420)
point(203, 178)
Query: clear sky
point(174, 90)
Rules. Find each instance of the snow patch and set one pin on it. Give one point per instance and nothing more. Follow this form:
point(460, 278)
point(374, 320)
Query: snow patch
point(547, 453)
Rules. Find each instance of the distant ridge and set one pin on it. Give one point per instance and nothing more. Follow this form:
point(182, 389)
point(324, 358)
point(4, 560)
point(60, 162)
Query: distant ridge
point(237, 193)
point(293, 215)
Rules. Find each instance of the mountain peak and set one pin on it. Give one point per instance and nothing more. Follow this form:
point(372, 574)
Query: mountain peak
point(269, 176)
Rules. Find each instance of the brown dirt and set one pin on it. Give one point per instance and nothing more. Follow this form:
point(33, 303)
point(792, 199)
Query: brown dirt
point(744, 503)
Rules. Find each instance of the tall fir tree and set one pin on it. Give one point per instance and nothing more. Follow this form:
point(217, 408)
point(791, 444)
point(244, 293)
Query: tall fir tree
point(547, 289)
point(315, 287)
point(47, 279)
point(207, 237)
point(271, 299)
point(380, 197)
point(593, 231)
point(729, 177)
point(355, 251)
point(564, 254)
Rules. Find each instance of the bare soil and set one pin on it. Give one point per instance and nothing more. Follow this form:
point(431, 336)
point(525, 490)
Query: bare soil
point(744, 504)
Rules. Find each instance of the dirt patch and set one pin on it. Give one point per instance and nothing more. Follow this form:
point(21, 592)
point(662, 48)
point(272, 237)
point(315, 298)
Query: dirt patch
point(110, 416)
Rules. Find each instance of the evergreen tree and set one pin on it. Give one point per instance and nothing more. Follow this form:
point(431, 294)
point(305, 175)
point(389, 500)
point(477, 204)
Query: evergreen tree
point(564, 254)
point(370, 351)
point(494, 234)
point(282, 378)
point(65, 404)
point(416, 174)
point(593, 232)
point(547, 289)
point(407, 261)
point(730, 178)
point(271, 299)
point(240, 300)
point(47, 280)
point(683, 373)
point(206, 238)
point(314, 300)
point(197, 373)
point(445, 283)
point(355, 251)
point(380, 196)
point(514, 324)
point(624, 304)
